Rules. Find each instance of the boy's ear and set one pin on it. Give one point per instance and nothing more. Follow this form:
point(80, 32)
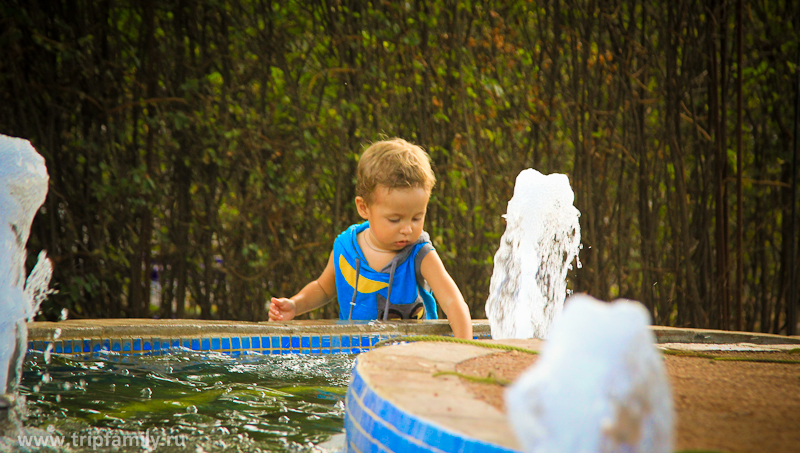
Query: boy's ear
point(361, 206)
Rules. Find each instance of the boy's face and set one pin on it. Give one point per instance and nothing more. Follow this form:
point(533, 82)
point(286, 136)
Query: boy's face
point(395, 216)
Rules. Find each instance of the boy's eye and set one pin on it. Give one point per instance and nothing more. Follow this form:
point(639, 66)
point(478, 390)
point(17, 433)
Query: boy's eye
point(394, 220)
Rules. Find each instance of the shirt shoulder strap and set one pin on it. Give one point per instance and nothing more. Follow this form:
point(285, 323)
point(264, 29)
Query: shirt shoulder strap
point(423, 251)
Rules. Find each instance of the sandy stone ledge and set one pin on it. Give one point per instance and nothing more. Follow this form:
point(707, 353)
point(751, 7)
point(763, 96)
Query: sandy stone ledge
point(726, 406)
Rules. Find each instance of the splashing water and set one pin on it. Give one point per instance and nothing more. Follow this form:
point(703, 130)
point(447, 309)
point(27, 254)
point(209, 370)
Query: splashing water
point(542, 237)
point(23, 187)
point(599, 385)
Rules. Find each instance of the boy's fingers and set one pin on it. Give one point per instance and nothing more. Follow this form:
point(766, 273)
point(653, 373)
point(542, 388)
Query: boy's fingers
point(274, 313)
point(278, 306)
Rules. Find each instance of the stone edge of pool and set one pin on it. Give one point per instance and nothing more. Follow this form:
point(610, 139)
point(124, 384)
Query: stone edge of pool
point(396, 402)
point(155, 336)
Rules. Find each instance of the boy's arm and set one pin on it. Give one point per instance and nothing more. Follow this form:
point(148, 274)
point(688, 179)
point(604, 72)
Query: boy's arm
point(447, 294)
point(312, 296)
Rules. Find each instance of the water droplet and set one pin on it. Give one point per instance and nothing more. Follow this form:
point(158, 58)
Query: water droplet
point(48, 351)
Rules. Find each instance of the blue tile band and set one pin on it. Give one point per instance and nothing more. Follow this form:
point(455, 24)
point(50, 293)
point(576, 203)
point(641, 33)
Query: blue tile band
point(373, 424)
point(312, 343)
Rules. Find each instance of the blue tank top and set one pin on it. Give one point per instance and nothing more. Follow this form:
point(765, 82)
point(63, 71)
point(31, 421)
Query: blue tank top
point(396, 291)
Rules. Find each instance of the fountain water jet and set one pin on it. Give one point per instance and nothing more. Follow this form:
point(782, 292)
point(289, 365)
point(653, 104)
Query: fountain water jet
point(542, 237)
point(600, 384)
point(23, 188)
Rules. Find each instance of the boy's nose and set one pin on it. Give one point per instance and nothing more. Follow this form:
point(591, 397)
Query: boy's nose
point(406, 229)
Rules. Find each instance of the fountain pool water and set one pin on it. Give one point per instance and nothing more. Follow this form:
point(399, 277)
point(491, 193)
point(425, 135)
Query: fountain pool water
point(541, 240)
point(193, 401)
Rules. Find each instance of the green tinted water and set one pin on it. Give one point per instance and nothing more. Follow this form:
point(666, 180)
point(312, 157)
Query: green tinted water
point(205, 402)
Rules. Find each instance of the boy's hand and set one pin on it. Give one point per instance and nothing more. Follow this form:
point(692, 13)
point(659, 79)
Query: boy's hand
point(282, 309)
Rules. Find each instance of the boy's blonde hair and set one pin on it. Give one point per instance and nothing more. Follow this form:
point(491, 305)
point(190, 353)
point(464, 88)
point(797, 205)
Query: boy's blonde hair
point(395, 164)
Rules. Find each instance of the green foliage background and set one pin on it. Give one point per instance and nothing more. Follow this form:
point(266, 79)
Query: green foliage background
point(216, 140)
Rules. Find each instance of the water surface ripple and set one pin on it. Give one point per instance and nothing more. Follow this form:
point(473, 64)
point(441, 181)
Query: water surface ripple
point(210, 402)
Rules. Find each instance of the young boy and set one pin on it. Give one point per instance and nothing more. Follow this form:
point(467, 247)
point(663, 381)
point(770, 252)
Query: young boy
point(388, 258)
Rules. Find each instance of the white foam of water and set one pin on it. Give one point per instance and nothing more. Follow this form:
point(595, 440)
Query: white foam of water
point(23, 188)
point(599, 385)
point(542, 238)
